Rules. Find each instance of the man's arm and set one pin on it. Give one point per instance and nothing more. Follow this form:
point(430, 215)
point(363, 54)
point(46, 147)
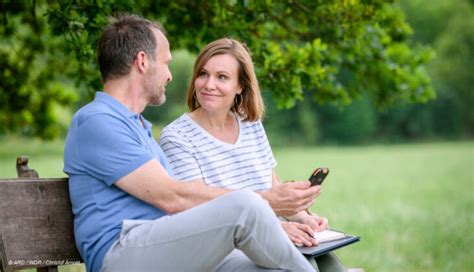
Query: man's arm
point(152, 184)
point(285, 199)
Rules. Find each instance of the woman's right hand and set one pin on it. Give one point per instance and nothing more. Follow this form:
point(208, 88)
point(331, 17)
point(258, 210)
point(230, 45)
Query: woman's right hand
point(291, 197)
point(299, 234)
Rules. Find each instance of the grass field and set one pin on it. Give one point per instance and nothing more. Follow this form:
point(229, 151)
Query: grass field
point(411, 204)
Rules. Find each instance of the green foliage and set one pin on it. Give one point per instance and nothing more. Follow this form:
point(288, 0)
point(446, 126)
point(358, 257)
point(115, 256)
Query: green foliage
point(80, 23)
point(310, 124)
point(448, 116)
point(448, 26)
point(355, 123)
point(329, 51)
point(453, 66)
point(335, 50)
point(32, 62)
point(295, 126)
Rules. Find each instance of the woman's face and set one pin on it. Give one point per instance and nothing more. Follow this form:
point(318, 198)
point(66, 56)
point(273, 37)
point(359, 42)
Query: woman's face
point(217, 83)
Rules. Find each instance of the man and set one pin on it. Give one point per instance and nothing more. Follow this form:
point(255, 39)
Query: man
point(130, 215)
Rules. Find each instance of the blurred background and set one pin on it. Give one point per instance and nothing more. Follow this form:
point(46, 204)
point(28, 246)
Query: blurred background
point(381, 92)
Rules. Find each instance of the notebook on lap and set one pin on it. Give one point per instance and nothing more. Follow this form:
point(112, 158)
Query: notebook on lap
point(329, 240)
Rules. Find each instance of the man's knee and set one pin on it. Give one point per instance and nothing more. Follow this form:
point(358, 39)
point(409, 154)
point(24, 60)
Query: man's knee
point(247, 197)
point(249, 200)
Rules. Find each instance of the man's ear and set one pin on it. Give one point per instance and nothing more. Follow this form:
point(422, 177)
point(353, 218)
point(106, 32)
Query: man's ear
point(141, 62)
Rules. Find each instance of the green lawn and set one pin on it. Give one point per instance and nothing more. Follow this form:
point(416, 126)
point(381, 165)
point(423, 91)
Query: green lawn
point(412, 204)
point(45, 157)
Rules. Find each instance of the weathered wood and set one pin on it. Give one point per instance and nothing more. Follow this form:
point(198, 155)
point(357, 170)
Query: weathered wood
point(36, 224)
point(23, 170)
point(2, 255)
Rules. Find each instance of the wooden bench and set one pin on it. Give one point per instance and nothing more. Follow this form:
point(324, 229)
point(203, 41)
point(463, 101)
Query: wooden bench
point(36, 222)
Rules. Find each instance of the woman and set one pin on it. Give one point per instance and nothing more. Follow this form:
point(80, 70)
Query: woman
point(221, 141)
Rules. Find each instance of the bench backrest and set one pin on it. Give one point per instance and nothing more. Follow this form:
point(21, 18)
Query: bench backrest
point(36, 224)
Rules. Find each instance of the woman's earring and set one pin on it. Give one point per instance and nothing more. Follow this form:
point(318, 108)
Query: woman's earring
point(196, 102)
point(238, 100)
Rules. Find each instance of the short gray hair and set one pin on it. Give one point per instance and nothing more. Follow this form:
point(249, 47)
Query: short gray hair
point(120, 42)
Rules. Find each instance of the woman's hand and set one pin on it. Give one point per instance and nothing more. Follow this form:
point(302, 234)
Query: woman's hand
point(316, 222)
point(299, 234)
point(291, 197)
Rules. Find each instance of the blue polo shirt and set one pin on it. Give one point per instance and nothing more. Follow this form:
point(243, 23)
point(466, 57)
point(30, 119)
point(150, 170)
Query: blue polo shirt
point(105, 143)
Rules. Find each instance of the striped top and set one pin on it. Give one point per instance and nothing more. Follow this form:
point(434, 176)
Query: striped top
point(196, 154)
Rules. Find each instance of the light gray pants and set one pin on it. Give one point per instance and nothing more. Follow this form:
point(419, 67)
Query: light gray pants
point(205, 237)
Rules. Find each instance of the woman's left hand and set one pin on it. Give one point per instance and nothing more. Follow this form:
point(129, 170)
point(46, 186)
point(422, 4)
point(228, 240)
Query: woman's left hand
point(316, 222)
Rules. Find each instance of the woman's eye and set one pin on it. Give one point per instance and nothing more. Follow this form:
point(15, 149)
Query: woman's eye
point(202, 73)
point(223, 77)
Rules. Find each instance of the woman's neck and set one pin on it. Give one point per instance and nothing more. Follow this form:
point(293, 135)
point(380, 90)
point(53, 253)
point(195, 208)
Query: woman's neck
point(213, 120)
point(222, 126)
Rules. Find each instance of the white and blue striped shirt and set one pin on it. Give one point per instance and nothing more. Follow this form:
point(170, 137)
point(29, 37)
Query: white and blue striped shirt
point(196, 154)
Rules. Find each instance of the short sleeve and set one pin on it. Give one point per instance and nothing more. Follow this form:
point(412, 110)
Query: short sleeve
point(181, 155)
point(109, 149)
point(266, 145)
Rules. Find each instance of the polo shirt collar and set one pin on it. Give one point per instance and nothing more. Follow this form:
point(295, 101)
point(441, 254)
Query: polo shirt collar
point(114, 104)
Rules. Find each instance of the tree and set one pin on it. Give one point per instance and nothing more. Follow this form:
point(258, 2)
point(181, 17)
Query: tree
point(451, 71)
point(333, 50)
point(32, 62)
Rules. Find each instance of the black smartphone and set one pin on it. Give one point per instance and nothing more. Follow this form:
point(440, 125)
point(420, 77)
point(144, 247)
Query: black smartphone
point(318, 176)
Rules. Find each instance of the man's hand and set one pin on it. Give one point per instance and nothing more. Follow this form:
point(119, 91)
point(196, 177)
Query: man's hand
point(299, 234)
point(291, 197)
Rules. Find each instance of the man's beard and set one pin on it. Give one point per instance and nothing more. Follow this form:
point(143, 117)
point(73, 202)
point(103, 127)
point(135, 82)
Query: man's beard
point(157, 98)
point(154, 95)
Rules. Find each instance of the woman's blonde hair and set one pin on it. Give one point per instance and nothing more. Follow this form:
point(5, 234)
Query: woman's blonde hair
point(250, 104)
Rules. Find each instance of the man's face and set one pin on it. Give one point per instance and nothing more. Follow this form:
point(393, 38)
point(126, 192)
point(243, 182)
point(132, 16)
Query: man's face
point(158, 74)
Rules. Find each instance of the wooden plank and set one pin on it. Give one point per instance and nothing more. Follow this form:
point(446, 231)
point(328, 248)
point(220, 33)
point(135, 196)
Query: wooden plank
point(3, 268)
point(36, 223)
point(23, 170)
